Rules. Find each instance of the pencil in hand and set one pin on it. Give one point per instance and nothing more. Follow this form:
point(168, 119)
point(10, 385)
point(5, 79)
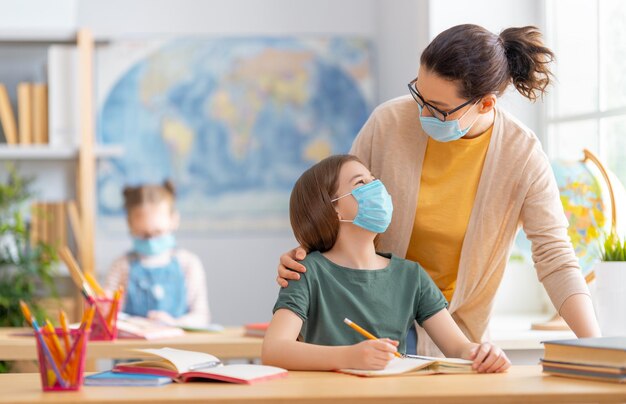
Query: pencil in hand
point(364, 332)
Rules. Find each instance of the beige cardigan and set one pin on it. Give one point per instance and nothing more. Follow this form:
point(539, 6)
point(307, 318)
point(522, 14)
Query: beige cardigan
point(517, 187)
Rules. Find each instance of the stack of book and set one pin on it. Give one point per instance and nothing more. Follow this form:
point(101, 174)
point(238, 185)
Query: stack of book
point(602, 359)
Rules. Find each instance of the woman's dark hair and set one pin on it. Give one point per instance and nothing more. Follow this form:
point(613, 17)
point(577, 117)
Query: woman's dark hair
point(153, 193)
point(313, 218)
point(484, 62)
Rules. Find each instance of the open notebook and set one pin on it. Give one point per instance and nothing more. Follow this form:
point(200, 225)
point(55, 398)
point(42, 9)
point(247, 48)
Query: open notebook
point(183, 365)
point(416, 365)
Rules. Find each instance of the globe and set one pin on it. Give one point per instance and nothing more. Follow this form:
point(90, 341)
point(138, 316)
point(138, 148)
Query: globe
point(587, 204)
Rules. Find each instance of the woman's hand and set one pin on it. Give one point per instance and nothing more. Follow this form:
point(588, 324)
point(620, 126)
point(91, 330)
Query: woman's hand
point(487, 358)
point(372, 354)
point(288, 267)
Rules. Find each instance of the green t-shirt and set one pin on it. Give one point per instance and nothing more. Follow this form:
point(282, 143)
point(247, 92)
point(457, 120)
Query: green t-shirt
point(384, 301)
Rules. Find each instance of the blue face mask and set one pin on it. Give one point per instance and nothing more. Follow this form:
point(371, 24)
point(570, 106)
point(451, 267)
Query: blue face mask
point(447, 131)
point(154, 245)
point(375, 207)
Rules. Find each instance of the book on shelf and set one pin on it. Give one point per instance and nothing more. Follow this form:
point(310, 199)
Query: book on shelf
point(109, 378)
point(40, 113)
point(63, 119)
point(416, 365)
point(602, 358)
point(183, 366)
point(133, 327)
point(255, 329)
point(588, 372)
point(7, 117)
point(25, 113)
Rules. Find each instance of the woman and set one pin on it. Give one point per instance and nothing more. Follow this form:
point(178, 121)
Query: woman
point(464, 175)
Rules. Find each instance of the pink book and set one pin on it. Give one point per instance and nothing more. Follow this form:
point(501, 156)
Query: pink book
point(183, 366)
point(142, 328)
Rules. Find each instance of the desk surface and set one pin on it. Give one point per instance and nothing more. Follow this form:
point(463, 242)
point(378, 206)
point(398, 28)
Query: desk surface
point(227, 344)
point(521, 384)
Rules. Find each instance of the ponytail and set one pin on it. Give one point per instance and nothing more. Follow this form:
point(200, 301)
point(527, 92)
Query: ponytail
point(528, 60)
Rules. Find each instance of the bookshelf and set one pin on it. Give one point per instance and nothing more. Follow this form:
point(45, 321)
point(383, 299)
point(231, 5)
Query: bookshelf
point(78, 161)
point(44, 152)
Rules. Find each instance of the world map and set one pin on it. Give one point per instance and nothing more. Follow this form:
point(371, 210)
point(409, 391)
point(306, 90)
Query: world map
point(232, 121)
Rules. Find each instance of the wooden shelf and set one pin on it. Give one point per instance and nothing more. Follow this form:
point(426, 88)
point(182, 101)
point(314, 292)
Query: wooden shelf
point(37, 36)
point(42, 37)
point(42, 152)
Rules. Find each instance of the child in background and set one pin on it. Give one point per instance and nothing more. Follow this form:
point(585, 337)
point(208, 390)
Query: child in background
point(336, 209)
point(161, 282)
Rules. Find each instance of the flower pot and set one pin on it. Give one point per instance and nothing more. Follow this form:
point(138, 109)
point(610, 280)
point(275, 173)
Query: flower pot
point(609, 297)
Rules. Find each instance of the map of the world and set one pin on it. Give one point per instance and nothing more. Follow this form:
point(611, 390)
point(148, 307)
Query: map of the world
point(232, 121)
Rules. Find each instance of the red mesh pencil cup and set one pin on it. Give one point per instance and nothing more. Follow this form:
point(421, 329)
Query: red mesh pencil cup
point(104, 326)
point(70, 365)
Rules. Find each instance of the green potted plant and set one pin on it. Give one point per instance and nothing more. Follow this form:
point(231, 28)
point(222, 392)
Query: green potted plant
point(26, 271)
point(610, 288)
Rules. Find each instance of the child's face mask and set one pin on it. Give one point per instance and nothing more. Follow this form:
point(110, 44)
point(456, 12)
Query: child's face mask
point(154, 245)
point(375, 207)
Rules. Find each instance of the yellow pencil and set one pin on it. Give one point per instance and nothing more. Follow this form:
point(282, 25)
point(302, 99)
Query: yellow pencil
point(55, 350)
point(66, 331)
point(95, 286)
point(114, 307)
point(56, 344)
point(364, 332)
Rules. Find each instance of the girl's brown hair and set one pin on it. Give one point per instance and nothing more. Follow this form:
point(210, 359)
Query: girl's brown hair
point(313, 218)
point(485, 63)
point(153, 193)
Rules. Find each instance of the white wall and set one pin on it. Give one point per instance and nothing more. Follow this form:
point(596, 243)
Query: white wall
point(37, 15)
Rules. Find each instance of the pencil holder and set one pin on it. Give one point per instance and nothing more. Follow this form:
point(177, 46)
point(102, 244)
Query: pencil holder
point(61, 369)
point(104, 327)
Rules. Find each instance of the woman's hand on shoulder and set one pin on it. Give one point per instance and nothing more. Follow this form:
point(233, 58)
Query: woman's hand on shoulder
point(487, 358)
point(289, 266)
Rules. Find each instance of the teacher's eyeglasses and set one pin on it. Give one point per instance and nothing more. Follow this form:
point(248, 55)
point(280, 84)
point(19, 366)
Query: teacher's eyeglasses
point(436, 112)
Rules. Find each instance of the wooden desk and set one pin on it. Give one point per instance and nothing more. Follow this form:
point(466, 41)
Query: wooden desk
point(227, 344)
point(522, 384)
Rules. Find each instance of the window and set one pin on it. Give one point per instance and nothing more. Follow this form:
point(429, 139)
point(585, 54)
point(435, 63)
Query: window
point(587, 105)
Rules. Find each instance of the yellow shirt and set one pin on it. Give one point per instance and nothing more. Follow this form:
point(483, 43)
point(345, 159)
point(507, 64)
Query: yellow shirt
point(450, 175)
